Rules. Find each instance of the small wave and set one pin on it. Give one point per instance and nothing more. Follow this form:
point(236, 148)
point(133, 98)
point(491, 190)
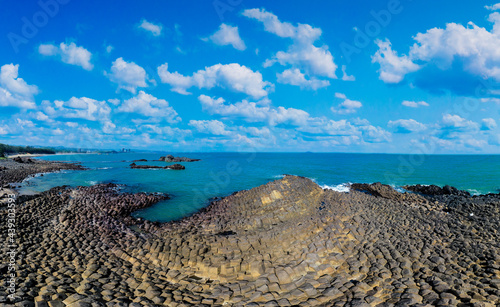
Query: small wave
point(91, 182)
point(474, 192)
point(343, 187)
point(279, 176)
point(399, 189)
point(107, 167)
point(30, 177)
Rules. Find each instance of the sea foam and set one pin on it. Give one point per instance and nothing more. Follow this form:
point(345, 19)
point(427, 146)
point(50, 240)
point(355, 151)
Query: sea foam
point(343, 187)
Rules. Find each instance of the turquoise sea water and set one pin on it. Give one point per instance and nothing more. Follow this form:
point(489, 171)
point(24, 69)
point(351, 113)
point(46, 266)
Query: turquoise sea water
point(220, 174)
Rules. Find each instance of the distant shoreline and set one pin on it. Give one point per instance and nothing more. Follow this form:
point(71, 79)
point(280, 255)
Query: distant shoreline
point(42, 155)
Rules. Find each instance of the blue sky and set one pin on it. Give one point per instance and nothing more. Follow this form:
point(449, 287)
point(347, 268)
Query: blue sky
point(226, 75)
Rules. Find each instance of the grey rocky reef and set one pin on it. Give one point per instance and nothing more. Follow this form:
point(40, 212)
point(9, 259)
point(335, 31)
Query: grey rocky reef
point(17, 169)
point(170, 158)
point(173, 166)
point(286, 243)
point(435, 190)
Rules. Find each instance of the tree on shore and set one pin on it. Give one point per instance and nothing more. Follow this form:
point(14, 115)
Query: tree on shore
point(9, 149)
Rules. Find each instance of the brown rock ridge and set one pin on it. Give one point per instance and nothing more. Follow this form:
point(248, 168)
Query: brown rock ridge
point(285, 243)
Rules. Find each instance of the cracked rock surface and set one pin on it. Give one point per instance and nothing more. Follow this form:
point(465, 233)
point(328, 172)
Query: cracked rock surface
point(286, 243)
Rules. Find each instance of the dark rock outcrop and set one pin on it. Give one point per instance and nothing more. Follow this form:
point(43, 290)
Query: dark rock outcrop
point(18, 160)
point(140, 160)
point(133, 165)
point(176, 166)
point(173, 166)
point(435, 190)
point(375, 189)
point(385, 191)
point(170, 158)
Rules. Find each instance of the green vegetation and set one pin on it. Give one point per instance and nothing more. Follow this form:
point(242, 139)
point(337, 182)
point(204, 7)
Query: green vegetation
point(9, 149)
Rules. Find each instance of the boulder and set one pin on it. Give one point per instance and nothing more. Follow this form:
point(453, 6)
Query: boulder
point(18, 160)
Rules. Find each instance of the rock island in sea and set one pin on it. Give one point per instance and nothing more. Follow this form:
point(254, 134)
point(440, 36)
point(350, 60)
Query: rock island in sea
point(286, 243)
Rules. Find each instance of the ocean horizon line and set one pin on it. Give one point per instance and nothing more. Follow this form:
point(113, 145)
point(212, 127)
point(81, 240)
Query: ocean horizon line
point(291, 152)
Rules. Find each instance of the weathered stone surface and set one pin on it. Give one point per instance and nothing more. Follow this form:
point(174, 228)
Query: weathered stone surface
point(285, 243)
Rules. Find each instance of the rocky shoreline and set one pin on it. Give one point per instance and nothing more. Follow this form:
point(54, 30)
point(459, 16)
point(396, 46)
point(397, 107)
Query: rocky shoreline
point(16, 170)
point(286, 243)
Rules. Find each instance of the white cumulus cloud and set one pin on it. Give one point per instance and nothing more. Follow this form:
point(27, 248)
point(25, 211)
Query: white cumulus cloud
point(406, 125)
point(302, 53)
point(347, 106)
point(14, 91)
point(81, 108)
point(228, 35)
point(294, 76)
point(456, 122)
point(373, 134)
point(214, 127)
point(127, 75)
point(488, 124)
point(493, 7)
point(150, 106)
point(345, 132)
point(69, 54)
point(414, 104)
point(234, 77)
point(154, 29)
point(345, 76)
point(42, 116)
point(475, 47)
point(393, 68)
point(251, 112)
